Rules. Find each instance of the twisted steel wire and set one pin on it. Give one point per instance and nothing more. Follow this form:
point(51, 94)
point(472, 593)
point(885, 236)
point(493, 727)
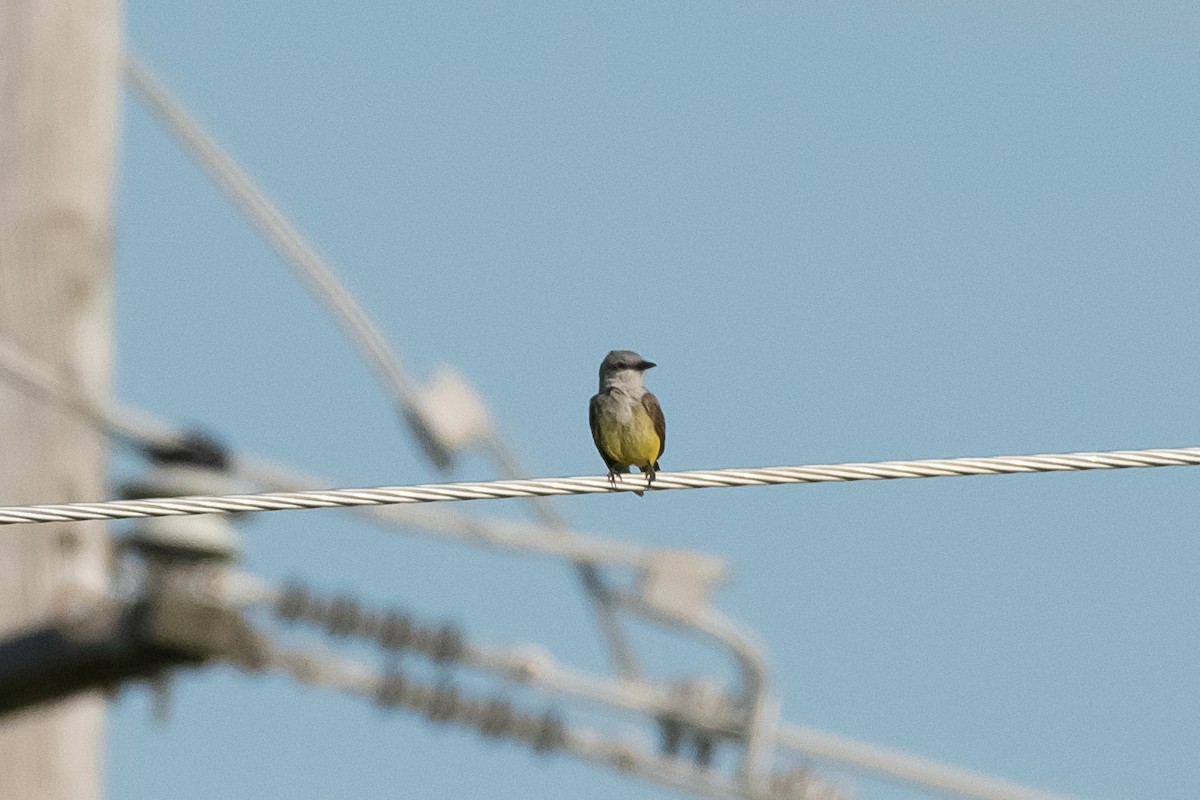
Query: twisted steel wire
point(599, 484)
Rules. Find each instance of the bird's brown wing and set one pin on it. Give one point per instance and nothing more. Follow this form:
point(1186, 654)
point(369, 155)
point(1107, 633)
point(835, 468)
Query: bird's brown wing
point(593, 412)
point(650, 403)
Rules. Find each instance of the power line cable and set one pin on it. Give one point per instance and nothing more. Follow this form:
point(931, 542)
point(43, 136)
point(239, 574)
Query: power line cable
point(599, 484)
point(35, 376)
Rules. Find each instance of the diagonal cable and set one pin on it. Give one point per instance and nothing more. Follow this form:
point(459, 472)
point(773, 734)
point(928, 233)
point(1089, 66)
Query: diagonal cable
point(898, 766)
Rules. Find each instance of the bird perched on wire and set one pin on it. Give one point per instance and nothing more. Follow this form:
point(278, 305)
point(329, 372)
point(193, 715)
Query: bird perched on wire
point(627, 423)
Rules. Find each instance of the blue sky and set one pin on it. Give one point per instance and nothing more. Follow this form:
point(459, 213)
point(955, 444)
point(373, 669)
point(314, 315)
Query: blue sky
point(844, 231)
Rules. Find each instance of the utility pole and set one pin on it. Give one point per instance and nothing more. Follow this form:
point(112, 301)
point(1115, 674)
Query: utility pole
point(59, 69)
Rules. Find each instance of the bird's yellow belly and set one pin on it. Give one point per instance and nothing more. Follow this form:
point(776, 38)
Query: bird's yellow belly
point(634, 443)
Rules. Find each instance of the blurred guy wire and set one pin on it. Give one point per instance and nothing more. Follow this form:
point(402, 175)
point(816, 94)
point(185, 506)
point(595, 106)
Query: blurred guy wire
point(895, 766)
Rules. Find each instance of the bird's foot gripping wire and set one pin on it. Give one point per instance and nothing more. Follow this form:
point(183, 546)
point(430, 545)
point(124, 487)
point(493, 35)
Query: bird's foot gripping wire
point(614, 477)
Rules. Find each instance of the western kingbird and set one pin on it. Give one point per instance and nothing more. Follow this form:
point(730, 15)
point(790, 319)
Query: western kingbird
point(627, 423)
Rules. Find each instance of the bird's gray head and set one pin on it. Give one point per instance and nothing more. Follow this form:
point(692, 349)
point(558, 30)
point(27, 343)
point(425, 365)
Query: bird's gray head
point(623, 368)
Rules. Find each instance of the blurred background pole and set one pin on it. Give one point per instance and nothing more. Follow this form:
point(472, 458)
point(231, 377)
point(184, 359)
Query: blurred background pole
point(59, 63)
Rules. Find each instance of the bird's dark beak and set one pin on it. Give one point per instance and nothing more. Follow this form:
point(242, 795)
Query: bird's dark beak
point(645, 365)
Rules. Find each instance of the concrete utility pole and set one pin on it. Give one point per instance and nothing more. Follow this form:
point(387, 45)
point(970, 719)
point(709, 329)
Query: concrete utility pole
point(59, 70)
